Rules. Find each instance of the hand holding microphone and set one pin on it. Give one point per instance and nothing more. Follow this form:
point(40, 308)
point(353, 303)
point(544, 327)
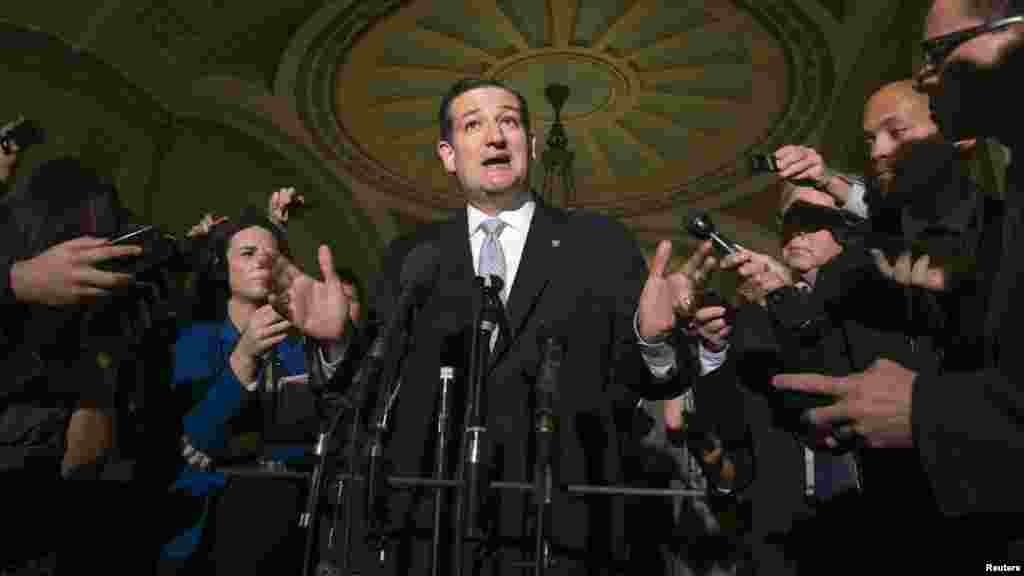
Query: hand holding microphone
point(759, 274)
point(712, 322)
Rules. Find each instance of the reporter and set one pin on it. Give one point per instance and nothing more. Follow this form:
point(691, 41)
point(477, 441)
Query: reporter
point(50, 285)
point(965, 427)
point(230, 368)
point(824, 306)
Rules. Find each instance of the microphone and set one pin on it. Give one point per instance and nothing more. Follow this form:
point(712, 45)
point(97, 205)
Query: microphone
point(476, 447)
point(552, 354)
point(700, 226)
point(417, 278)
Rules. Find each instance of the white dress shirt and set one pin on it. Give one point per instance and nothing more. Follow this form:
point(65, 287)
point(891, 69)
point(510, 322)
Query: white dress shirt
point(513, 237)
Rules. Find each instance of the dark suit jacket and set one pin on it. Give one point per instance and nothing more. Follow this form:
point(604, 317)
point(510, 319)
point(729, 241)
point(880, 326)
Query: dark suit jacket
point(969, 426)
point(842, 335)
point(580, 273)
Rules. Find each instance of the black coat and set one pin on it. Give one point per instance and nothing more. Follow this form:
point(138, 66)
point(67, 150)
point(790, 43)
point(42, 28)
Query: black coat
point(968, 425)
point(827, 331)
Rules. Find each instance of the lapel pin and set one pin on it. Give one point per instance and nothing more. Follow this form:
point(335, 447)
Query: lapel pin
point(556, 243)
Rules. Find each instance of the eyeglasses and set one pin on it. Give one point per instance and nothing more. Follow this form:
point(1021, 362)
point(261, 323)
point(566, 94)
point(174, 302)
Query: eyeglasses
point(937, 49)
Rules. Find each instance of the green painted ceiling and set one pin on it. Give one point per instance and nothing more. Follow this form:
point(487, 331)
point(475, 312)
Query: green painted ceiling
point(661, 91)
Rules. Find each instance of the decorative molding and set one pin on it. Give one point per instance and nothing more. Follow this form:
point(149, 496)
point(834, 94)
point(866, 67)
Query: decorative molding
point(72, 69)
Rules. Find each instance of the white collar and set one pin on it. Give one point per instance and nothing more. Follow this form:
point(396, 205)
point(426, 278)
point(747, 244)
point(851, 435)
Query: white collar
point(519, 219)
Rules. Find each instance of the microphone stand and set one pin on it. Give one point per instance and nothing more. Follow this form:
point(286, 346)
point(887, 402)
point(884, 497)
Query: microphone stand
point(376, 481)
point(542, 489)
point(367, 378)
point(472, 472)
point(440, 466)
point(310, 518)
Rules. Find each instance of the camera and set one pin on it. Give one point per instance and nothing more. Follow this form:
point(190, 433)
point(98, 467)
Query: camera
point(22, 133)
point(159, 250)
point(762, 163)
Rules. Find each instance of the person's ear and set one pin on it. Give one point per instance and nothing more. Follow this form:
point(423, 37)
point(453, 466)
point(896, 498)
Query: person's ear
point(447, 154)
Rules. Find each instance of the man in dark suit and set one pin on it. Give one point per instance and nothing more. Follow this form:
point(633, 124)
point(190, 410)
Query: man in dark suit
point(798, 499)
point(576, 272)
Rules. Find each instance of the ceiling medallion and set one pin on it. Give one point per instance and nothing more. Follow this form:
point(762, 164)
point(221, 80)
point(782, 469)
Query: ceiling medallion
point(609, 82)
point(667, 97)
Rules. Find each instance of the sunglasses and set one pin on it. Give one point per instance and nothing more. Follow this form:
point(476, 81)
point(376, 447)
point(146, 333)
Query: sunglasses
point(937, 49)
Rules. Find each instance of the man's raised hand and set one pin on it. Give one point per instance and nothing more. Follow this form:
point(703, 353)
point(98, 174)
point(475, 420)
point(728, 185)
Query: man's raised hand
point(318, 309)
point(668, 296)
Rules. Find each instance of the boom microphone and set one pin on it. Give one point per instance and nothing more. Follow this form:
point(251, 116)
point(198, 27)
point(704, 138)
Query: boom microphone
point(417, 279)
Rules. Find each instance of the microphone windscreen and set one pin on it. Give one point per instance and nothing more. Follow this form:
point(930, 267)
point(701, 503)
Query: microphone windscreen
point(420, 267)
point(699, 225)
point(552, 344)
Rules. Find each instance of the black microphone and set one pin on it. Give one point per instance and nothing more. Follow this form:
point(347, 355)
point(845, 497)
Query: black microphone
point(552, 355)
point(419, 273)
point(700, 226)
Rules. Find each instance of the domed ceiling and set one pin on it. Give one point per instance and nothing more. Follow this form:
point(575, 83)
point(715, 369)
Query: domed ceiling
point(667, 97)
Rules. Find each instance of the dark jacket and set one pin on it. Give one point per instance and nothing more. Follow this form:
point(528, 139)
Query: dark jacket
point(968, 425)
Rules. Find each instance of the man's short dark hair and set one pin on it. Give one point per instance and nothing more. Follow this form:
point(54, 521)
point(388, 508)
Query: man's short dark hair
point(465, 85)
point(991, 9)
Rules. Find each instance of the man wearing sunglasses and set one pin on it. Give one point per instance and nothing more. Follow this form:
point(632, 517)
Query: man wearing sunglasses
point(824, 308)
point(966, 428)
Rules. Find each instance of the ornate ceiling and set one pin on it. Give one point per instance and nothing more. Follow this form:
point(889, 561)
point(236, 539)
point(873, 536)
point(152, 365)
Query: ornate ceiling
point(660, 92)
point(667, 97)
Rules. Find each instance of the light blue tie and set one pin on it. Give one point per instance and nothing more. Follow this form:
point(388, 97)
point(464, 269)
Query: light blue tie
point(492, 260)
point(492, 257)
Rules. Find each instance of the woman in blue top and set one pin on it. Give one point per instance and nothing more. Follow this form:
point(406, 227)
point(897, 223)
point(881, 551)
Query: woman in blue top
point(223, 365)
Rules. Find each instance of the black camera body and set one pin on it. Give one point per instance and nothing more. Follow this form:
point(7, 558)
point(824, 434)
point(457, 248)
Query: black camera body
point(23, 133)
point(159, 250)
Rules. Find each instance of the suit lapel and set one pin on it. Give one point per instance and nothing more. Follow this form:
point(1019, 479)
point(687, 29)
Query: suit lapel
point(535, 270)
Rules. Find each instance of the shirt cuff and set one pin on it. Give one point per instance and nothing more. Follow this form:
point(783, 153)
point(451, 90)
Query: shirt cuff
point(252, 386)
point(657, 341)
point(341, 349)
point(658, 354)
point(709, 360)
point(855, 202)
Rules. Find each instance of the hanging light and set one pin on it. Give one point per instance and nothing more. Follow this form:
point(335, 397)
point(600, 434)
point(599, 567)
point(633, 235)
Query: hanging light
point(559, 188)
